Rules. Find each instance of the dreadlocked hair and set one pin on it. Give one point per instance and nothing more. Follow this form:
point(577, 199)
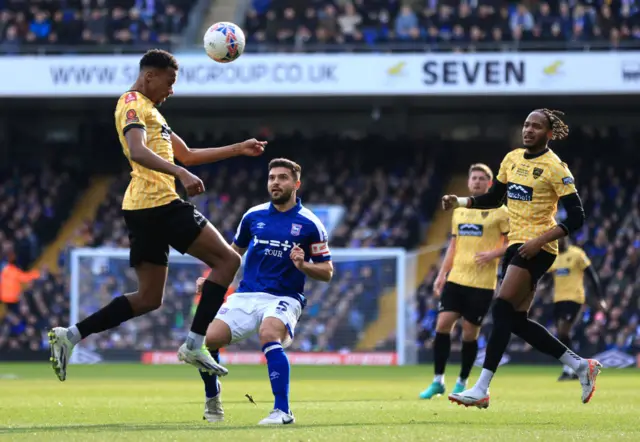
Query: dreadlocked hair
point(559, 129)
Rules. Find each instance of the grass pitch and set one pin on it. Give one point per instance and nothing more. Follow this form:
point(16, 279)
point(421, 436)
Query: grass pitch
point(164, 403)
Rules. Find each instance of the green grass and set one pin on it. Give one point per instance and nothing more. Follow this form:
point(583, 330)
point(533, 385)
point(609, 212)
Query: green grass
point(144, 403)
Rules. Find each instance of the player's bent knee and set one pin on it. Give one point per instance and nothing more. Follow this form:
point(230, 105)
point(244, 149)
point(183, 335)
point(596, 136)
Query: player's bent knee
point(470, 331)
point(272, 330)
point(446, 321)
point(218, 335)
point(145, 301)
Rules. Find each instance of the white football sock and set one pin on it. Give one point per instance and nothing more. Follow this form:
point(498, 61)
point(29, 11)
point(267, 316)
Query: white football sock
point(439, 378)
point(194, 341)
point(571, 360)
point(484, 380)
point(73, 335)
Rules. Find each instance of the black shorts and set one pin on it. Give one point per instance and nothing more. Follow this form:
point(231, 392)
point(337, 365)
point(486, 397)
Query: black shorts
point(152, 231)
point(566, 311)
point(472, 303)
point(537, 266)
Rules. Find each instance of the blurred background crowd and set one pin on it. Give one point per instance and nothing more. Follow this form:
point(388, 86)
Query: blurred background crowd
point(473, 25)
point(389, 196)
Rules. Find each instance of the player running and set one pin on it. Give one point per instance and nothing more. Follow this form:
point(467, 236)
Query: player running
point(157, 218)
point(568, 271)
point(533, 179)
point(471, 262)
point(285, 242)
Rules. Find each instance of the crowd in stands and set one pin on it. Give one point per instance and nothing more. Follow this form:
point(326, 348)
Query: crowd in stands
point(610, 192)
point(473, 25)
point(387, 201)
point(322, 25)
point(91, 23)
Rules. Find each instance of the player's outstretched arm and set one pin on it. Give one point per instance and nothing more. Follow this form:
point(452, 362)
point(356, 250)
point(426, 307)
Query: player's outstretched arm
point(321, 271)
point(195, 157)
point(493, 199)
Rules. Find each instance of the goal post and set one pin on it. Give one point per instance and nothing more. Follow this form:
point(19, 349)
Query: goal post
point(363, 316)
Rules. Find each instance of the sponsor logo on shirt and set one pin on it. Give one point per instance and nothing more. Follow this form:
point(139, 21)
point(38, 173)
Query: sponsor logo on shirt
point(519, 192)
point(470, 229)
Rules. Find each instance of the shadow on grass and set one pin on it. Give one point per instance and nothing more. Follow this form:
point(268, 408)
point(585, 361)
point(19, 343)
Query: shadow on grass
point(191, 426)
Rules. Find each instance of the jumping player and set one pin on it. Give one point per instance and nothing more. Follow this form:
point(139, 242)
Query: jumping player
point(533, 179)
point(285, 243)
point(157, 218)
point(471, 263)
point(568, 272)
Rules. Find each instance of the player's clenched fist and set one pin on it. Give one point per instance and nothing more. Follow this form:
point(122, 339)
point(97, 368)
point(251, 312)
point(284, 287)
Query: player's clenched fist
point(297, 256)
point(190, 182)
point(449, 202)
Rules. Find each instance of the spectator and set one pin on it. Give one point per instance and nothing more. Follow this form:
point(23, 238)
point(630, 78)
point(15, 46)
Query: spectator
point(522, 19)
point(406, 27)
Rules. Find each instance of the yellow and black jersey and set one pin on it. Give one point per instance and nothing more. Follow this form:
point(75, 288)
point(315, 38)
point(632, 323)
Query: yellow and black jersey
point(568, 275)
point(476, 231)
point(534, 187)
point(147, 188)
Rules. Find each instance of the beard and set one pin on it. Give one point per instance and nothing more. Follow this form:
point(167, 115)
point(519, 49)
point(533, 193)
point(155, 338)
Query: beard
point(283, 198)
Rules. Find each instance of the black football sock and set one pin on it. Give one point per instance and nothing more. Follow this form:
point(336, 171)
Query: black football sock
point(537, 336)
point(210, 301)
point(469, 353)
point(211, 388)
point(110, 316)
point(502, 312)
point(566, 340)
point(441, 350)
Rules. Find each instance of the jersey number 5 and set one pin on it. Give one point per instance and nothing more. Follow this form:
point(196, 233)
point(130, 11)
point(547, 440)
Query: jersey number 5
point(282, 306)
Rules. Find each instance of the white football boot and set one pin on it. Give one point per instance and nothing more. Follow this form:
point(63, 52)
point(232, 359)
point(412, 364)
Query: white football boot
point(587, 373)
point(213, 411)
point(473, 397)
point(278, 417)
point(61, 348)
point(201, 359)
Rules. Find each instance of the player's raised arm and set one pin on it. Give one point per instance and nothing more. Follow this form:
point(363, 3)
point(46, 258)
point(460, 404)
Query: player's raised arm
point(195, 157)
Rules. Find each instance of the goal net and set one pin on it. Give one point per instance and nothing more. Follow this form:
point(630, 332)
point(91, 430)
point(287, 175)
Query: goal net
point(364, 316)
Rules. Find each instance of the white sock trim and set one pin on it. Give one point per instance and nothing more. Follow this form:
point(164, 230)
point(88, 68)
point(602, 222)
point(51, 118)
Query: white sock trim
point(194, 341)
point(271, 347)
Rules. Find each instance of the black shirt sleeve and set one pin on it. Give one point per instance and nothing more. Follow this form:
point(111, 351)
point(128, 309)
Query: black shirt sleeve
point(493, 199)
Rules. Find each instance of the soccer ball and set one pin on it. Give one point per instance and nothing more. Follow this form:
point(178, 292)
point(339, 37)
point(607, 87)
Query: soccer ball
point(224, 42)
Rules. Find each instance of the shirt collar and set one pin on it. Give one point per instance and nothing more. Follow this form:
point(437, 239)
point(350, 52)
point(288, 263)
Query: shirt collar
point(294, 209)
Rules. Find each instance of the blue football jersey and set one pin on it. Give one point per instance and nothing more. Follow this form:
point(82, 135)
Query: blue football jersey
point(269, 235)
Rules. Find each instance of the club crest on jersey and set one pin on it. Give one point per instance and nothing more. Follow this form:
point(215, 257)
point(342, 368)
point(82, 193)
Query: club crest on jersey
point(296, 229)
point(537, 172)
point(132, 116)
point(485, 214)
point(567, 180)
point(131, 96)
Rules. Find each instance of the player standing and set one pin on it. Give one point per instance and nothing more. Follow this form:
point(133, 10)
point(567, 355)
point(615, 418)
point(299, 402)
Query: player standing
point(568, 271)
point(157, 218)
point(284, 242)
point(533, 179)
point(479, 238)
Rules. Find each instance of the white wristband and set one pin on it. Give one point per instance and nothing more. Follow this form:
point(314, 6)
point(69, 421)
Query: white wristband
point(463, 202)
